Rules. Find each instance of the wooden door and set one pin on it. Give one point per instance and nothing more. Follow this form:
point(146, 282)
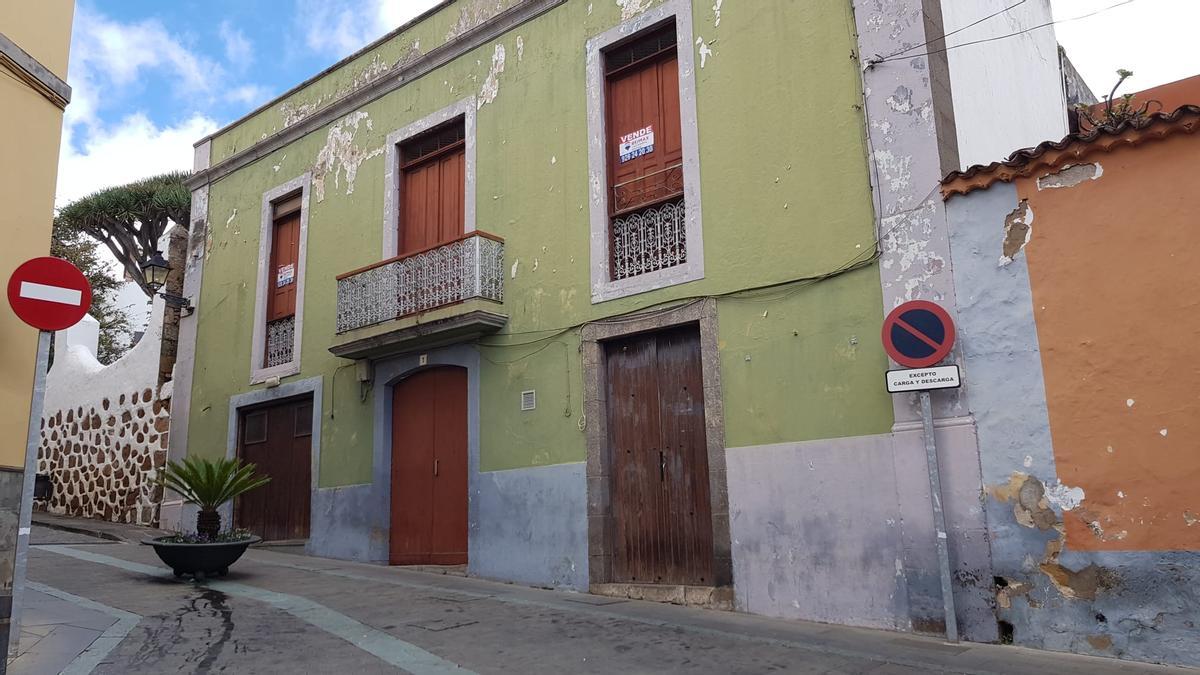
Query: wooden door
point(643, 98)
point(278, 439)
point(429, 468)
point(662, 515)
point(285, 256)
point(432, 199)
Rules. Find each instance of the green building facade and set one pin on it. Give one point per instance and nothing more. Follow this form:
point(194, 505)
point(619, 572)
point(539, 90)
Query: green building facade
point(779, 291)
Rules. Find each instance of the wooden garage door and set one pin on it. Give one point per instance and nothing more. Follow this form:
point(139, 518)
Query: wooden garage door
point(429, 468)
point(660, 495)
point(278, 439)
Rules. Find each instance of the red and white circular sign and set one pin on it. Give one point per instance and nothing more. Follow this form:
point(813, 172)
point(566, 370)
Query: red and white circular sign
point(49, 293)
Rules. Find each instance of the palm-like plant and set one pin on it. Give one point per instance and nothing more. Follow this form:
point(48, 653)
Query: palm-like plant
point(209, 484)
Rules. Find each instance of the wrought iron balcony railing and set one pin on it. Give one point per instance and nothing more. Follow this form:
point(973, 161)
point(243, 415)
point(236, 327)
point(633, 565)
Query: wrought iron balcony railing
point(466, 268)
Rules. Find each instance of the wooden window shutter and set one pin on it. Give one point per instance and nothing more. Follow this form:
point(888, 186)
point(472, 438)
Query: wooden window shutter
point(645, 144)
point(432, 188)
point(285, 257)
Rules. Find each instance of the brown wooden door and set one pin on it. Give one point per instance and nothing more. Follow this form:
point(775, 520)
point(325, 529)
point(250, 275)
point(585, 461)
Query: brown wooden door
point(432, 199)
point(285, 256)
point(278, 439)
point(644, 95)
point(429, 468)
point(660, 494)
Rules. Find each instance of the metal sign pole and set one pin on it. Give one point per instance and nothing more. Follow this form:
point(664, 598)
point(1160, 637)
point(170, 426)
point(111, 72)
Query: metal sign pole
point(939, 518)
point(25, 519)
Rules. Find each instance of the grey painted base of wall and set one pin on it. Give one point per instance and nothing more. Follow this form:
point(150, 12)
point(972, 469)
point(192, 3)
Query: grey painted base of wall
point(840, 531)
point(527, 525)
point(530, 526)
point(348, 524)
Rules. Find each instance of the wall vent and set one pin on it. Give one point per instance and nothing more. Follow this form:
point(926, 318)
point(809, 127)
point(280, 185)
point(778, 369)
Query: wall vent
point(528, 400)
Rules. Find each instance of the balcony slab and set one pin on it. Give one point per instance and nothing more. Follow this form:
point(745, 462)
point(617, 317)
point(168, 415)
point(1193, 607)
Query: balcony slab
point(452, 324)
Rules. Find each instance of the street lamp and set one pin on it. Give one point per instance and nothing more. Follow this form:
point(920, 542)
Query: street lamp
point(154, 271)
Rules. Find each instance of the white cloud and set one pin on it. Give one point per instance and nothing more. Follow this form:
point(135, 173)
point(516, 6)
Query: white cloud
point(339, 28)
point(249, 95)
point(1152, 38)
point(132, 149)
point(108, 55)
point(238, 50)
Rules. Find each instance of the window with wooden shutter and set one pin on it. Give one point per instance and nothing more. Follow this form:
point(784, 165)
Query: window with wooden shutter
point(281, 280)
point(645, 154)
point(432, 188)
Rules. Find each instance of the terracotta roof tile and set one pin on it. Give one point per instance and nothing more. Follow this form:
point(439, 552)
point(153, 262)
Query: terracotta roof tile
point(1071, 149)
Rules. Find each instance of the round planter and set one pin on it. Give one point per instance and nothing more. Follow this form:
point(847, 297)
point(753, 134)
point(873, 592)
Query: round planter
point(200, 559)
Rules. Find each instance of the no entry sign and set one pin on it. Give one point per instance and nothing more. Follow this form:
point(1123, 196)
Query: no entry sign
point(918, 334)
point(49, 293)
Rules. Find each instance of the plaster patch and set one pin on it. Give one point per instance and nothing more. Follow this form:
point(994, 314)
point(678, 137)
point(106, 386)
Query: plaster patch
point(1018, 229)
point(717, 12)
point(491, 85)
point(1129, 403)
point(1070, 176)
point(1084, 583)
point(341, 156)
point(520, 49)
point(704, 50)
point(1190, 518)
point(233, 215)
point(1064, 497)
point(1163, 432)
point(516, 264)
point(631, 8)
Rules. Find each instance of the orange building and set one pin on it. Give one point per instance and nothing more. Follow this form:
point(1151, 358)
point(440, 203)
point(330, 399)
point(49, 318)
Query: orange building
point(1078, 297)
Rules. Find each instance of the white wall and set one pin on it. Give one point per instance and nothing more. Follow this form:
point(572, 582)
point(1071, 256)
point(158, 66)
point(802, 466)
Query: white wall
point(1007, 93)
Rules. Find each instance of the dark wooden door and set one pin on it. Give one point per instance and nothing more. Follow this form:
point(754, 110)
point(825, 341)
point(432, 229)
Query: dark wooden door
point(429, 468)
point(278, 439)
point(660, 494)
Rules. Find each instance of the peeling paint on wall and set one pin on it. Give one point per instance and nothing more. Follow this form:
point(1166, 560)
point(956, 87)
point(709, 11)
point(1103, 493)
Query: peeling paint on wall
point(1065, 498)
point(704, 50)
point(341, 156)
point(520, 48)
point(631, 8)
point(1084, 583)
point(1028, 497)
point(294, 113)
point(1070, 176)
point(491, 85)
point(1018, 229)
point(472, 15)
point(717, 12)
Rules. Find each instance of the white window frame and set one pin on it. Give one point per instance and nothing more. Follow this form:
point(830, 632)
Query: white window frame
point(603, 286)
point(258, 371)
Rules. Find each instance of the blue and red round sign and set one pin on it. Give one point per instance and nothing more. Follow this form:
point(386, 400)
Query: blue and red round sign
point(918, 334)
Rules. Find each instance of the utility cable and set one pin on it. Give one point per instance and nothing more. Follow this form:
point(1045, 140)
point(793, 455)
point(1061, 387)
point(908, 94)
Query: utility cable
point(876, 61)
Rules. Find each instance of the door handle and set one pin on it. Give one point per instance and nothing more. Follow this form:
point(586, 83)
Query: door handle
point(435, 467)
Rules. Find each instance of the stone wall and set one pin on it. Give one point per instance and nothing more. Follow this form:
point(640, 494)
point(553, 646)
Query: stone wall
point(105, 429)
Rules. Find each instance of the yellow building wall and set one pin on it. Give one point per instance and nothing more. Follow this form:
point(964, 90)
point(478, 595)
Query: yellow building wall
point(30, 133)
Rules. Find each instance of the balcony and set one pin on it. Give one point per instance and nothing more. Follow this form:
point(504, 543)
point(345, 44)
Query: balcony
point(430, 298)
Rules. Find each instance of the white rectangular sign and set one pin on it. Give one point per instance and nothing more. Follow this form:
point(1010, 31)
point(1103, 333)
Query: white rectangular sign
point(285, 275)
point(63, 296)
point(923, 379)
point(636, 144)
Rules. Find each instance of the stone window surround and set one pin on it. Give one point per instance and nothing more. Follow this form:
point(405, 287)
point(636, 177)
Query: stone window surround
point(603, 287)
point(467, 109)
point(259, 373)
point(601, 525)
point(238, 402)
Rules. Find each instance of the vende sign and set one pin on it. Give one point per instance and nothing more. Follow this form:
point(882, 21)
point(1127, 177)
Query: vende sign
point(49, 293)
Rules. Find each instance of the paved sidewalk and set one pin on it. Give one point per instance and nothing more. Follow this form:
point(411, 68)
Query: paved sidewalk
point(281, 612)
point(96, 528)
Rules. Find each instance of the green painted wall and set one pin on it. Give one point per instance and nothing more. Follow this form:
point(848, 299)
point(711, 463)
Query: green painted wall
point(785, 194)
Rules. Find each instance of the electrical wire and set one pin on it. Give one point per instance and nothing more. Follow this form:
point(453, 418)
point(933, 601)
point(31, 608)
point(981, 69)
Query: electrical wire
point(946, 35)
point(873, 62)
